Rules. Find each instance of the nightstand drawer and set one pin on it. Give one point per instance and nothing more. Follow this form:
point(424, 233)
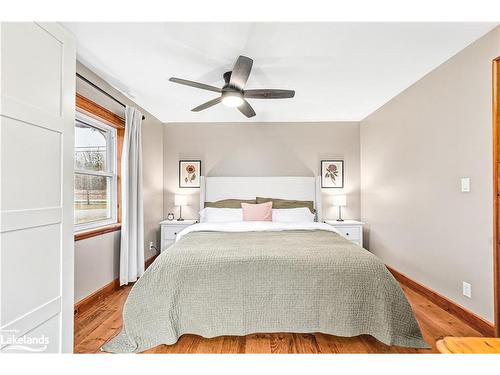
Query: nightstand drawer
point(170, 229)
point(169, 232)
point(350, 233)
point(167, 243)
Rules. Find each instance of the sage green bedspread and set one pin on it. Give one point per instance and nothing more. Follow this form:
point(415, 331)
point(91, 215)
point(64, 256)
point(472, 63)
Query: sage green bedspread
point(220, 283)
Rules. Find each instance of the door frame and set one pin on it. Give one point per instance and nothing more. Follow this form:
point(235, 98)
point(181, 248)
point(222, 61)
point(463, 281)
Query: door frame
point(496, 192)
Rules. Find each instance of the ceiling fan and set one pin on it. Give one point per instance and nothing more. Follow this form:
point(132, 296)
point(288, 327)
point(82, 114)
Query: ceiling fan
point(233, 93)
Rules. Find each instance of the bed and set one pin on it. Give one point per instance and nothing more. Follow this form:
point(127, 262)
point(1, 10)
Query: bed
point(237, 278)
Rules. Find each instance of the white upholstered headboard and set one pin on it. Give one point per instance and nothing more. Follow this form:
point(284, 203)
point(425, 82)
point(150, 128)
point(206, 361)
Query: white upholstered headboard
point(298, 188)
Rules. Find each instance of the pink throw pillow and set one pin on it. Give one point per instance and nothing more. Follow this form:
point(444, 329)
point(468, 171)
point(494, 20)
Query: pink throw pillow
point(257, 212)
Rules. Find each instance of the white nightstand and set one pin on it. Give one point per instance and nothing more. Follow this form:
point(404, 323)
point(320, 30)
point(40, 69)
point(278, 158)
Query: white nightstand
point(351, 230)
point(169, 229)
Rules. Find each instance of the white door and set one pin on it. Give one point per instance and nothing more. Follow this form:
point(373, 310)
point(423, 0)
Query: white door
point(36, 226)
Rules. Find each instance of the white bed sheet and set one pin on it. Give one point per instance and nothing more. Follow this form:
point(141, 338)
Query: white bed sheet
point(254, 226)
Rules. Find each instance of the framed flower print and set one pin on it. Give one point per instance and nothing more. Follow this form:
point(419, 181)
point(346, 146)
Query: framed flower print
point(332, 174)
point(189, 173)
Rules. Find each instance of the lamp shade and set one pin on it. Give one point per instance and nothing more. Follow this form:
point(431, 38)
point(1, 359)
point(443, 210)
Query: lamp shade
point(340, 200)
point(180, 200)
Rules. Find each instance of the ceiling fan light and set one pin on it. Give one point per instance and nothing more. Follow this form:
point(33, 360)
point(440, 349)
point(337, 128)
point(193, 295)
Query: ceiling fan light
point(232, 100)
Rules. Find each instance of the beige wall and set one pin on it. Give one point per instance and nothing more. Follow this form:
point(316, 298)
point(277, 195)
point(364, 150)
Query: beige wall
point(414, 150)
point(261, 149)
point(97, 259)
point(97, 262)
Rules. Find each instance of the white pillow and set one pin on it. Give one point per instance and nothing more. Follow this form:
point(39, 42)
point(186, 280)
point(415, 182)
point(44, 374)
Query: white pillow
point(220, 215)
point(293, 215)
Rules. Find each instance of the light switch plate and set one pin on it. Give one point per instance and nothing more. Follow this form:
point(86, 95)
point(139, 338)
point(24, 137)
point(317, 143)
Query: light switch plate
point(465, 184)
point(467, 289)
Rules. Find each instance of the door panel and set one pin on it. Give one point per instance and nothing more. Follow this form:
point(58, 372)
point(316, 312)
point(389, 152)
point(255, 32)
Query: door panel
point(36, 201)
point(31, 269)
point(31, 156)
point(40, 63)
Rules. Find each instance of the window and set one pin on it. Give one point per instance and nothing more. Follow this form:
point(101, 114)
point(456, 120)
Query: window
point(96, 179)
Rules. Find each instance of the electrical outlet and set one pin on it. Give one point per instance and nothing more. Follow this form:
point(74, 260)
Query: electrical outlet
point(151, 246)
point(467, 289)
point(465, 185)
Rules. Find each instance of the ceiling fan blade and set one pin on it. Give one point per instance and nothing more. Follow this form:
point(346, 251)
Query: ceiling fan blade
point(246, 109)
point(241, 72)
point(194, 84)
point(269, 94)
point(207, 104)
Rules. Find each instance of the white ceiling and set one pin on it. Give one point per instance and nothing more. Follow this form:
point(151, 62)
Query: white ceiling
point(340, 71)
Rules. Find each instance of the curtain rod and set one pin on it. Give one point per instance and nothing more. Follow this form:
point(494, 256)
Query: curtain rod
point(101, 90)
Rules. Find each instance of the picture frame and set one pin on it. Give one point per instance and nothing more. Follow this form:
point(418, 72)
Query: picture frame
point(332, 174)
point(189, 174)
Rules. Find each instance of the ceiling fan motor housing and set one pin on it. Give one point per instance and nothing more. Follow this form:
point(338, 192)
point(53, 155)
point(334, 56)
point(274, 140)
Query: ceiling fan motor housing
point(231, 96)
point(227, 78)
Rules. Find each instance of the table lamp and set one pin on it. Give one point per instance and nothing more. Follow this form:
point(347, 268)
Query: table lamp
point(340, 201)
point(180, 200)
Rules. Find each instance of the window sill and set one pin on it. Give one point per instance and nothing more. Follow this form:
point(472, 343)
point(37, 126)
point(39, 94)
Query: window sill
point(97, 231)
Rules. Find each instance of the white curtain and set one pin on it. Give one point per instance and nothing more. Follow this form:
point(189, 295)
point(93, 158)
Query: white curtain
point(132, 236)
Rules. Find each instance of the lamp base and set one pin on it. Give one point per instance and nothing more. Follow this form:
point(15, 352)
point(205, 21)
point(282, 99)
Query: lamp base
point(340, 214)
point(180, 214)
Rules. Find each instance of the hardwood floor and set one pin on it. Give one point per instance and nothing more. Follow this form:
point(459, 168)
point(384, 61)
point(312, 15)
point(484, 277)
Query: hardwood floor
point(101, 322)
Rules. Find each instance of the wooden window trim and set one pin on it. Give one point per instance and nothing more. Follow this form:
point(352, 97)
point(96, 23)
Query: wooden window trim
point(496, 192)
point(100, 113)
point(97, 231)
